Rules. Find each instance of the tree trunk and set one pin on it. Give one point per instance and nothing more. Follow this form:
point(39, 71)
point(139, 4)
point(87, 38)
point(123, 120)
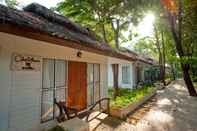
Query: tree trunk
point(188, 81)
point(177, 35)
point(115, 78)
point(101, 22)
point(104, 33)
point(173, 71)
point(164, 59)
point(158, 45)
point(117, 34)
point(116, 28)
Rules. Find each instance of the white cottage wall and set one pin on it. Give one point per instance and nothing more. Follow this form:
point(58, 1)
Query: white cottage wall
point(121, 63)
point(20, 95)
point(5, 84)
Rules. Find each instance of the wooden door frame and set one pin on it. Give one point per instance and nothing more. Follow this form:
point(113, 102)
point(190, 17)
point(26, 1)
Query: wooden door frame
point(94, 81)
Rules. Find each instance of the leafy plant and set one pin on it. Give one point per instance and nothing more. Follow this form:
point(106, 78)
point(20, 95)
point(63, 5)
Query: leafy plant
point(11, 3)
point(194, 79)
point(127, 96)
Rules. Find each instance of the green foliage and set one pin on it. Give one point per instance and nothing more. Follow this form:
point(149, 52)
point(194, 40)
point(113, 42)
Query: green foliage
point(168, 77)
point(101, 16)
point(194, 78)
point(189, 31)
point(96, 15)
point(195, 85)
point(11, 3)
point(127, 96)
point(146, 47)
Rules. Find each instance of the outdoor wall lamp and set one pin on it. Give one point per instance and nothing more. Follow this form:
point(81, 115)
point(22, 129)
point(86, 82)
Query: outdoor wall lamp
point(79, 54)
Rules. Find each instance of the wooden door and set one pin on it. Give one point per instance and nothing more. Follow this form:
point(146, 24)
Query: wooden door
point(77, 85)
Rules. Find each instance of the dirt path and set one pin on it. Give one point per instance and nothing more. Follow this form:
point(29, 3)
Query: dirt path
point(175, 110)
point(138, 114)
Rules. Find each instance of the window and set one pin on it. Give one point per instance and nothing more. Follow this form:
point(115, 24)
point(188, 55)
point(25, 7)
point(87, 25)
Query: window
point(93, 74)
point(126, 75)
point(54, 81)
point(147, 75)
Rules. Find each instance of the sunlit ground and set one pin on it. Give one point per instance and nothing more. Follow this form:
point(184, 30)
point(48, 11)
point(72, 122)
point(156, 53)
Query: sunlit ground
point(164, 101)
point(174, 111)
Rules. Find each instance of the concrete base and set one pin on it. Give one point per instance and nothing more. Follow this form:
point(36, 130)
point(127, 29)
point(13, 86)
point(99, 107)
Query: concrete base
point(75, 124)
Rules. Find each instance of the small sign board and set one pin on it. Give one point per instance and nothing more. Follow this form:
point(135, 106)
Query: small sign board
point(22, 62)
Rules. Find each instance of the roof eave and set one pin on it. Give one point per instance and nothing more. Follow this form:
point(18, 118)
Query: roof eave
point(27, 32)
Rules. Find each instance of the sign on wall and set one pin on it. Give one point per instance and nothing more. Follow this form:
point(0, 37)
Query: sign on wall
point(22, 62)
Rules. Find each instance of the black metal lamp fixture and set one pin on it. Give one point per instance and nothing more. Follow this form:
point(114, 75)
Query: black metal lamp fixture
point(79, 54)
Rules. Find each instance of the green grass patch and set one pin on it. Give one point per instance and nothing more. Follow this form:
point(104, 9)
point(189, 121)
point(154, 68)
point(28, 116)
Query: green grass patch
point(127, 96)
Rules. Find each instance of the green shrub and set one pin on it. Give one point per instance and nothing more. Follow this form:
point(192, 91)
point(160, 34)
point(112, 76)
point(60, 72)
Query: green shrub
point(168, 77)
point(194, 78)
point(127, 96)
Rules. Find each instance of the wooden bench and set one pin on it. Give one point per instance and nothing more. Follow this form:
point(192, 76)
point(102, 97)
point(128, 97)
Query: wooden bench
point(65, 111)
point(72, 112)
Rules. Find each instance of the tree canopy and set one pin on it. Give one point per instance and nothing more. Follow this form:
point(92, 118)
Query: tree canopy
point(108, 18)
point(175, 30)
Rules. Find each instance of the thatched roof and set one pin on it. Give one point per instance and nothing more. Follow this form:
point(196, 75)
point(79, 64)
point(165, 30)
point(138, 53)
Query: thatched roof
point(39, 18)
point(57, 19)
point(143, 59)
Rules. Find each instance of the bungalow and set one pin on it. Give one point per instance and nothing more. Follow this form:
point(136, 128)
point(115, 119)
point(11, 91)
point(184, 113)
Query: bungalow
point(126, 76)
point(45, 56)
point(132, 73)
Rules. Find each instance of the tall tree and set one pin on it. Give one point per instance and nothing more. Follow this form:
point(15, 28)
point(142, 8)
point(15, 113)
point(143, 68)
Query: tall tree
point(159, 36)
point(96, 15)
point(178, 16)
point(108, 18)
point(159, 47)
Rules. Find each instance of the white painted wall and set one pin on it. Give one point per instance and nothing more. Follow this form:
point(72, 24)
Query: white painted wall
point(121, 63)
point(20, 91)
point(5, 84)
point(104, 80)
point(24, 107)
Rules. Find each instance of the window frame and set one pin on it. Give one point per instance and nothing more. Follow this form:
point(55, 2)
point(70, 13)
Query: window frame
point(92, 101)
point(54, 88)
point(128, 73)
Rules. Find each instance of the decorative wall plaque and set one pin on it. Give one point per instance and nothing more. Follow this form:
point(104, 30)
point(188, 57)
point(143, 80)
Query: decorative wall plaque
point(25, 62)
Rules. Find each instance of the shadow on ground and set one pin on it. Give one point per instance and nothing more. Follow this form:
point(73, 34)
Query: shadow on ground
point(174, 110)
point(103, 122)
